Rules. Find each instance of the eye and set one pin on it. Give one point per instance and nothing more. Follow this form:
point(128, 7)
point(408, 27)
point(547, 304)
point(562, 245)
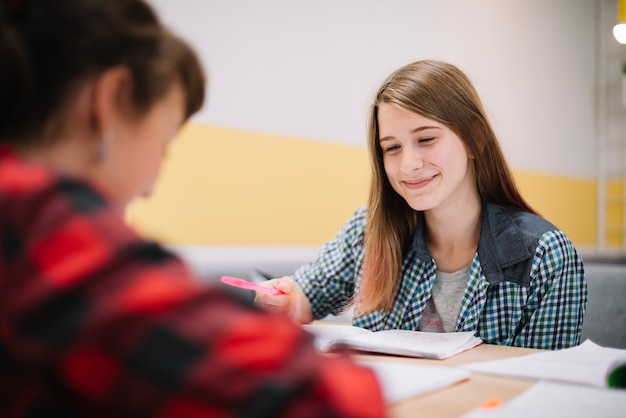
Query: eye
point(426, 140)
point(391, 148)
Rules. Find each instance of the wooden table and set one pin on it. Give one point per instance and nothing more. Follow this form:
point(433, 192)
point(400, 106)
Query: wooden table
point(458, 399)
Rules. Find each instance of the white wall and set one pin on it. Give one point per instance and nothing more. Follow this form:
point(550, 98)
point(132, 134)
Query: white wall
point(611, 93)
point(308, 68)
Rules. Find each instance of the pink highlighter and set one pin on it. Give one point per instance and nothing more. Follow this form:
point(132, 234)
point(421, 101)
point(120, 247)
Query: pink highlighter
point(244, 284)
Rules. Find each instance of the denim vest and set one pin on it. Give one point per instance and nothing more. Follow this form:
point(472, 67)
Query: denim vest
point(506, 246)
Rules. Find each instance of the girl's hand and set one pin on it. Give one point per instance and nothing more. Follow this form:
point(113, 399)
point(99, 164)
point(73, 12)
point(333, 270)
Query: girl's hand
point(293, 303)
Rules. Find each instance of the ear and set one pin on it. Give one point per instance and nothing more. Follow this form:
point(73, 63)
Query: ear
point(108, 94)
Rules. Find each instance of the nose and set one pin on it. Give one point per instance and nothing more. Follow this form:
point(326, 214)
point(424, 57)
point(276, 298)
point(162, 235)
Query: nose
point(412, 159)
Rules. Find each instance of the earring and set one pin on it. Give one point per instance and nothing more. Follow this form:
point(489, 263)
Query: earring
point(103, 149)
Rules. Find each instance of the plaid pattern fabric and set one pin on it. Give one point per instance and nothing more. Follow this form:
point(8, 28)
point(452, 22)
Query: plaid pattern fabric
point(95, 321)
point(543, 310)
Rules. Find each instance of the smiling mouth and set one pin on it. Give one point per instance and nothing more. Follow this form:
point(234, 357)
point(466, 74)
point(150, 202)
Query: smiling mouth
point(417, 184)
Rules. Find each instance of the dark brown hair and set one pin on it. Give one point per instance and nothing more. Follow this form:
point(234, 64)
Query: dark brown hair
point(441, 92)
point(48, 48)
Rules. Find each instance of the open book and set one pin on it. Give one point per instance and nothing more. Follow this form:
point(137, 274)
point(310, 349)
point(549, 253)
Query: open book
point(396, 341)
point(587, 364)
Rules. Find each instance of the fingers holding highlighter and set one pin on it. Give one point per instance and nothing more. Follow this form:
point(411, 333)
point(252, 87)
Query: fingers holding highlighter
point(282, 295)
point(292, 301)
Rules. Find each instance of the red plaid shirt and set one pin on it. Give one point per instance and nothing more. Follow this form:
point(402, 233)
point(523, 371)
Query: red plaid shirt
point(96, 321)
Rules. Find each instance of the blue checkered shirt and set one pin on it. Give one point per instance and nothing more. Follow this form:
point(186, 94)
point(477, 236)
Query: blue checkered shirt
point(526, 285)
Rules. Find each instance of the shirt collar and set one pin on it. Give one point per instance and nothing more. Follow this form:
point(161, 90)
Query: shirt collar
point(500, 244)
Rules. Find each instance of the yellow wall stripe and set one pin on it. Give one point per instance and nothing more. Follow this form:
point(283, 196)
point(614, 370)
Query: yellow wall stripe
point(231, 187)
point(569, 203)
point(223, 186)
point(615, 213)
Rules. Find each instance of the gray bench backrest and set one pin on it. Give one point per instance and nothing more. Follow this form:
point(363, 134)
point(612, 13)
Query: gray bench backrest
point(605, 321)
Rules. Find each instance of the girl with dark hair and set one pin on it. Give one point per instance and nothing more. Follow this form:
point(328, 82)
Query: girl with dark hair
point(94, 320)
point(446, 242)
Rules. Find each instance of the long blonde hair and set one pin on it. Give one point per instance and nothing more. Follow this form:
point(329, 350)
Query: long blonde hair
point(441, 92)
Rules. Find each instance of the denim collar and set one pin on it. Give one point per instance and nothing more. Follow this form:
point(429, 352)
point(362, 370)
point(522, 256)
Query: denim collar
point(502, 247)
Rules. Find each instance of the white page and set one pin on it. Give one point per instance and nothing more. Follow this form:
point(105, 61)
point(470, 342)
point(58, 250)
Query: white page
point(326, 335)
point(586, 364)
point(399, 342)
point(552, 399)
point(400, 381)
point(430, 344)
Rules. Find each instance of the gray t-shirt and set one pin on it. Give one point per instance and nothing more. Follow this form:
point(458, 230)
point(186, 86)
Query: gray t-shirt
point(443, 307)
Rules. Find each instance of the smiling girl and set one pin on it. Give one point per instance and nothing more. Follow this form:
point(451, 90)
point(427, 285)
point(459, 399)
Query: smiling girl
point(446, 242)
